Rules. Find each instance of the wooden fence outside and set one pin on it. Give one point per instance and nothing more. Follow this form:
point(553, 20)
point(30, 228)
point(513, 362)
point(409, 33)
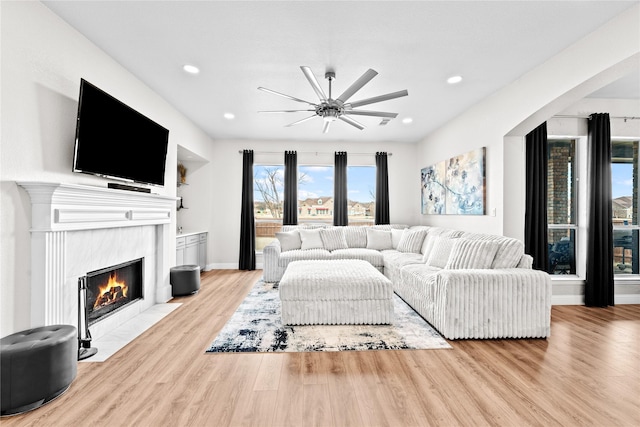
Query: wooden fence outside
point(267, 229)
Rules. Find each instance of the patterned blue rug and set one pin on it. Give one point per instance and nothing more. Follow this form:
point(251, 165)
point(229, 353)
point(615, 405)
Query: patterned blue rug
point(256, 327)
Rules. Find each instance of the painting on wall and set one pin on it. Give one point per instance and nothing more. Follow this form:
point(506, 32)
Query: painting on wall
point(455, 186)
point(433, 189)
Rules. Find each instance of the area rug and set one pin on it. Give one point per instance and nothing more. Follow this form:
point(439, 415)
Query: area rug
point(256, 327)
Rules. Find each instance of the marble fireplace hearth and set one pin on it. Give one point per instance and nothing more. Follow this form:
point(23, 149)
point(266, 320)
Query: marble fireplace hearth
point(77, 229)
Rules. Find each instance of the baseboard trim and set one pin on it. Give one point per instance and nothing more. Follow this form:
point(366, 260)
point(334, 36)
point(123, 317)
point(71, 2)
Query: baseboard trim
point(223, 266)
point(567, 300)
point(579, 299)
point(627, 299)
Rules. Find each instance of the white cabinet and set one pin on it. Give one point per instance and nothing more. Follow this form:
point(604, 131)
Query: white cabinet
point(191, 249)
point(202, 251)
point(180, 241)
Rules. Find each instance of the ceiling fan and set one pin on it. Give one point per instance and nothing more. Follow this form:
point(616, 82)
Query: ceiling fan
point(330, 109)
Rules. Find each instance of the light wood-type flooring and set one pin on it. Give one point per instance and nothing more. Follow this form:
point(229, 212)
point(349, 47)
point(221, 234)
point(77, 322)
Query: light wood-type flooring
point(586, 373)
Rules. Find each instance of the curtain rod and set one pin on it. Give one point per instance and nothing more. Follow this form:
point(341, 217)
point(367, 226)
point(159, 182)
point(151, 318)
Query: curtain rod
point(313, 152)
point(577, 116)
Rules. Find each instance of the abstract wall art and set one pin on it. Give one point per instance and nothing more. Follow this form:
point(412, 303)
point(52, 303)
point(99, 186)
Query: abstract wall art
point(455, 186)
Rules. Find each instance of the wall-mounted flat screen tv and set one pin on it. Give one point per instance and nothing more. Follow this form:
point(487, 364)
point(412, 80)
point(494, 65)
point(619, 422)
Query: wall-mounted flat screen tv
point(115, 141)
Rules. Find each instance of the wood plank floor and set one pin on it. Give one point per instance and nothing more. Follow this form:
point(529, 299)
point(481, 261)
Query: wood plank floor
point(586, 373)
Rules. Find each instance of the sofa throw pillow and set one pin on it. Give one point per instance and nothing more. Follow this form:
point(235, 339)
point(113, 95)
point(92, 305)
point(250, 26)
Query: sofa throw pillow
point(333, 238)
point(378, 239)
point(311, 239)
point(429, 241)
point(411, 240)
point(289, 240)
point(509, 253)
point(439, 254)
point(472, 254)
point(396, 235)
point(356, 236)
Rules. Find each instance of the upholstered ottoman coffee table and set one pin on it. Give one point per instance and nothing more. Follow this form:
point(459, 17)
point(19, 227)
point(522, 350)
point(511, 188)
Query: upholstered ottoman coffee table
point(335, 292)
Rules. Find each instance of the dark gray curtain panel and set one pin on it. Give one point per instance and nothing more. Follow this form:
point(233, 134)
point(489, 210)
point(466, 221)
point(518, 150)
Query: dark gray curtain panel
point(247, 259)
point(382, 189)
point(340, 204)
point(535, 216)
point(290, 214)
point(599, 279)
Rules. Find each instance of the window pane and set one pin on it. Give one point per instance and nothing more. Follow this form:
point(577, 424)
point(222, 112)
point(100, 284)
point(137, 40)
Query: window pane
point(624, 192)
point(625, 251)
point(268, 191)
point(315, 194)
point(361, 187)
point(624, 182)
point(562, 251)
point(561, 182)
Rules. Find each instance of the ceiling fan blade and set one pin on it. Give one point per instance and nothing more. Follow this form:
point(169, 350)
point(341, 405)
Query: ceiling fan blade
point(357, 85)
point(375, 99)
point(314, 83)
point(325, 127)
point(284, 111)
point(351, 121)
point(371, 113)
point(285, 96)
point(301, 121)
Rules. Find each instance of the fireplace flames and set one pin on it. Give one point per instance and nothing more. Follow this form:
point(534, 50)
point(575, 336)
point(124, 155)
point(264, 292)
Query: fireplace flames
point(110, 293)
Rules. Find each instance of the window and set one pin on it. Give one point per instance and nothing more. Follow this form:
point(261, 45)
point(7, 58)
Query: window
point(624, 192)
point(315, 194)
point(315, 197)
point(561, 206)
point(268, 191)
point(361, 190)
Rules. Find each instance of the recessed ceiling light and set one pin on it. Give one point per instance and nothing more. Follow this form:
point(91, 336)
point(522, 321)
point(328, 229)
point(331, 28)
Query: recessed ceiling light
point(191, 69)
point(454, 79)
point(407, 120)
point(229, 116)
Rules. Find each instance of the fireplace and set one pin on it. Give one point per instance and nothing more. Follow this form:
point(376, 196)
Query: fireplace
point(80, 228)
point(112, 288)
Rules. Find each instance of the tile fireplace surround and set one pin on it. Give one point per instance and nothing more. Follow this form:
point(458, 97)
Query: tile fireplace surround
point(76, 229)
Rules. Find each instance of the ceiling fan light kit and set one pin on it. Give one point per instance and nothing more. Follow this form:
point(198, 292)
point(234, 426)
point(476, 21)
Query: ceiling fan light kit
point(330, 109)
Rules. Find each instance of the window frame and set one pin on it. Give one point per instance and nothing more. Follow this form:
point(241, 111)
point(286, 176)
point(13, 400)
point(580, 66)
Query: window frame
point(575, 227)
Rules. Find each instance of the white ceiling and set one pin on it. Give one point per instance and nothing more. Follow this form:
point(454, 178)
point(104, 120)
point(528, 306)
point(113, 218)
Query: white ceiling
point(415, 45)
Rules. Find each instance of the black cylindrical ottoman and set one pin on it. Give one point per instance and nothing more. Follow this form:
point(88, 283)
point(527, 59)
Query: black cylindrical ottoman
point(37, 365)
point(184, 279)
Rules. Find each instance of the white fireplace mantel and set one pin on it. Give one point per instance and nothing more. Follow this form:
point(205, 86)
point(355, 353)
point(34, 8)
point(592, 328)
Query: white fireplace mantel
point(69, 226)
point(58, 207)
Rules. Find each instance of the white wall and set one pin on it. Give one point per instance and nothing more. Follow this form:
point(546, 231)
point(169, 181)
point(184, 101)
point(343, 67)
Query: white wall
point(43, 60)
point(226, 186)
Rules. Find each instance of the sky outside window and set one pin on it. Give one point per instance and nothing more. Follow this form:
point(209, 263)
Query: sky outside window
point(621, 179)
point(317, 181)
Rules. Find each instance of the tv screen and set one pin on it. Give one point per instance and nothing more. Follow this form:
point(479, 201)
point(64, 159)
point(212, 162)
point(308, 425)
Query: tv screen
point(115, 141)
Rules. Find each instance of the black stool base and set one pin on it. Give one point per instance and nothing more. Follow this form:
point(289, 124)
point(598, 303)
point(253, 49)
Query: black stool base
point(31, 406)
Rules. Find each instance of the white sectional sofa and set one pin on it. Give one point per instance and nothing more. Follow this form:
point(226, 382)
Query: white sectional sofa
point(467, 285)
